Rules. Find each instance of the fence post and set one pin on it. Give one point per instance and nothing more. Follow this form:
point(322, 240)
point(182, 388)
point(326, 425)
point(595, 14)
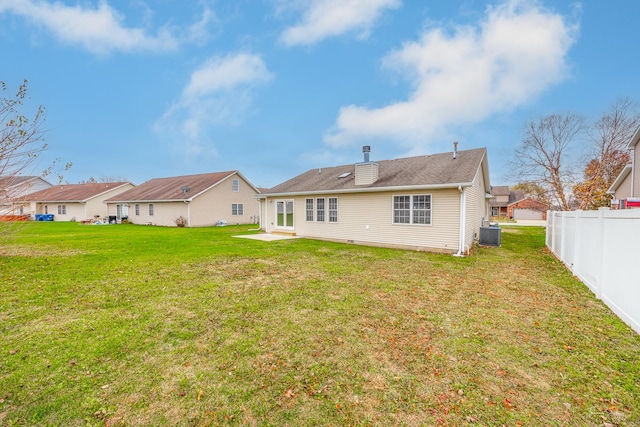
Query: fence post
point(577, 244)
point(553, 236)
point(549, 229)
point(563, 237)
point(603, 253)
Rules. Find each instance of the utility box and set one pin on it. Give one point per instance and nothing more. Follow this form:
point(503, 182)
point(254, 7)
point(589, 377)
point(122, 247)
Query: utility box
point(490, 236)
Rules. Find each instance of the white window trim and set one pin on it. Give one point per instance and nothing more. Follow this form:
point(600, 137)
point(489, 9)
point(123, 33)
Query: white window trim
point(235, 185)
point(239, 209)
point(329, 210)
point(306, 209)
point(411, 223)
point(324, 209)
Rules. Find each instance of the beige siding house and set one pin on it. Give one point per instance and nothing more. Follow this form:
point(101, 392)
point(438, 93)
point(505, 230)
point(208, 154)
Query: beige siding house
point(436, 202)
point(191, 200)
point(626, 188)
point(74, 202)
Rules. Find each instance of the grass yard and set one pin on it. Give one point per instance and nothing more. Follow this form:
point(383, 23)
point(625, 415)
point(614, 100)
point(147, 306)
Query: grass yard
point(131, 325)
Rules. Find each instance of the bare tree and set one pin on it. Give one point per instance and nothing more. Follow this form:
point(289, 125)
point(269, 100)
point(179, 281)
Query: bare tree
point(112, 178)
point(103, 179)
point(21, 141)
point(544, 155)
point(609, 137)
point(533, 190)
point(20, 138)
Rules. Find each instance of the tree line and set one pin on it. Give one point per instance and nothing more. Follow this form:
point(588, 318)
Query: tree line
point(569, 162)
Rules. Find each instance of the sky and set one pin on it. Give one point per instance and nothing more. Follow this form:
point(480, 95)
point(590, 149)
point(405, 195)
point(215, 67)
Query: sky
point(137, 89)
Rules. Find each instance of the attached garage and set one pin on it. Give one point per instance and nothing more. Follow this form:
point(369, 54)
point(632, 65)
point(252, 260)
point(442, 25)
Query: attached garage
point(527, 214)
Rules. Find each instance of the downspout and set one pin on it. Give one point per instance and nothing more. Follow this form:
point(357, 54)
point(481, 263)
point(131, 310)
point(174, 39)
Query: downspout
point(462, 223)
point(259, 218)
point(188, 202)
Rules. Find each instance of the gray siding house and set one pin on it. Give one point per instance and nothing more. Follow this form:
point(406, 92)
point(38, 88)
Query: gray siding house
point(433, 202)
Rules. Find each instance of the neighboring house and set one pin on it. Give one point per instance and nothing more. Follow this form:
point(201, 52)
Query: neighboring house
point(527, 208)
point(12, 187)
point(501, 198)
point(192, 201)
point(514, 204)
point(434, 202)
point(73, 202)
point(626, 188)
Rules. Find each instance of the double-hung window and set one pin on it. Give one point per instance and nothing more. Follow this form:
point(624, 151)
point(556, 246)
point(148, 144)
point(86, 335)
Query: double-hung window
point(237, 209)
point(414, 209)
point(137, 206)
point(320, 209)
point(401, 209)
point(150, 209)
point(235, 186)
point(309, 209)
point(62, 209)
point(333, 209)
point(421, 212)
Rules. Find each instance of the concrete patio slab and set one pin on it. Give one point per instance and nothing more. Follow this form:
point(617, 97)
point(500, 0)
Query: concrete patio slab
point(267, 237)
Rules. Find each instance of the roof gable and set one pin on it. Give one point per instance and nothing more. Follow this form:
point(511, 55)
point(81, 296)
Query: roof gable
point(620, 179)
point(437, 170)
point(14, 181)
point(634, 139)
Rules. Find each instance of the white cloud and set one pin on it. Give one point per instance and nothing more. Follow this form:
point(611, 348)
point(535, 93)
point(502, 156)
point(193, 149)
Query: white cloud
point(223, 74)
point(219, 93)
point(100, 30)
point(516, 52)
point(328, 18)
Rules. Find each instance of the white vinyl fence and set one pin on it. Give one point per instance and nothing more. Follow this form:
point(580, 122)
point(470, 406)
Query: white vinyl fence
point(602, 248)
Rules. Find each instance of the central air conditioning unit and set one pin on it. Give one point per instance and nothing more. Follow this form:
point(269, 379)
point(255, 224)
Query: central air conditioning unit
point(490, 236)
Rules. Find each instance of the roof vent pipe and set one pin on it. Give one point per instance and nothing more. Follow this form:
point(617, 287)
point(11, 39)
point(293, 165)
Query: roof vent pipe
point(366, 150)
point(455, 149)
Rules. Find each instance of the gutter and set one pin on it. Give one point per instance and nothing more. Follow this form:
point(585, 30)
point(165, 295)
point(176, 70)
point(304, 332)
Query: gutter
point(368, 190)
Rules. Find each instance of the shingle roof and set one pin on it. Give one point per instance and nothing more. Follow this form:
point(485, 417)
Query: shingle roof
point(516, 196)
point(71, 192)
point(10, 181)
point(430, 170)
point(500, 190)
point(503, 190)
point(170, 189)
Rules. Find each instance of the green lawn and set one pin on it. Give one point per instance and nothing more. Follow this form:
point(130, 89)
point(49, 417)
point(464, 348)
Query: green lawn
point(125, 325)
